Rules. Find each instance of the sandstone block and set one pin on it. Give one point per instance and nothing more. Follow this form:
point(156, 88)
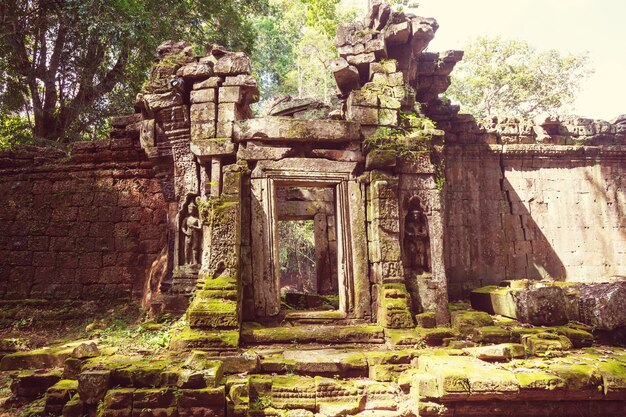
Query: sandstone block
point(93, 385)
point(211, 147)
point(388, 117)
point(156, 102)
point(346, 75)
point(541, 306)
point(195, 71)
point(233, 64)
point(204, 95)
point(289, 129)
point(203, 131)
point(397, 34)
point(202, 113)
point(363, 115)
point(212, 82)
point(230, 94)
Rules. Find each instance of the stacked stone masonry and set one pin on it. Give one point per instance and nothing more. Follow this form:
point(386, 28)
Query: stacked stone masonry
point(539, 199)
point(180, 208)
point(83, 225)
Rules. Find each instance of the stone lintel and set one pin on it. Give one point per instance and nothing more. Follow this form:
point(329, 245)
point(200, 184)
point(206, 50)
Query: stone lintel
point(290, 129)
point(212, 147)
point(312, 169)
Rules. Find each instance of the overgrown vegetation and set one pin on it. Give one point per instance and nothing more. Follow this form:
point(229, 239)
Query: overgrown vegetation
point(296, 251)
point(511, 78)
point(68, 65)
point(410, 139)
point(148, 336)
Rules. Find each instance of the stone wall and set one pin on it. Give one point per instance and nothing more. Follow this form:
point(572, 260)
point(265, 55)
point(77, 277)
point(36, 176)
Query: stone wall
point(534, 200)
point(85, 225)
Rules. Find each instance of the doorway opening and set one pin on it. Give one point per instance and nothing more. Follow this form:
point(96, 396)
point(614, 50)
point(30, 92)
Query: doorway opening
point(307, 248)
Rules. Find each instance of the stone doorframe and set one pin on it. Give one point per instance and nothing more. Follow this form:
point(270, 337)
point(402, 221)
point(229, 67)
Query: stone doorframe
point(265, 262)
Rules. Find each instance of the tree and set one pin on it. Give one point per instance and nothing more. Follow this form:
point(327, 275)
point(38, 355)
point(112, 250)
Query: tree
point(67, 64)
point(508, 77)
point(296, 46)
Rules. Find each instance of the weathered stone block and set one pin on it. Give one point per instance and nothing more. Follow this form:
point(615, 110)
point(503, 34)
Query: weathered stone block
point(289, 129)
point(346, 75)
point(203, 131)
point(195, 71)
point(230, 94)
point(541, 343)
point(387, 117)
point(93, 385)
point(205, 95)
point(211, 147)
point(202, 113)
point(233, 64)
point(363, 115)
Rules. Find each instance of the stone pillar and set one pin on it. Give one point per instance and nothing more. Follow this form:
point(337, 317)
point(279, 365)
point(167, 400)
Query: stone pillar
point(385, 254)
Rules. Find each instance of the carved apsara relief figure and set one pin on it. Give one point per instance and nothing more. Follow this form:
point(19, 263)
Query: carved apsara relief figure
point(191, 228)
point(417, 238)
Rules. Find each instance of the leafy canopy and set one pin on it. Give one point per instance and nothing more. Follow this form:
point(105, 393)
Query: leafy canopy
point(295, 45)
point(67, 65)
point(511, 78)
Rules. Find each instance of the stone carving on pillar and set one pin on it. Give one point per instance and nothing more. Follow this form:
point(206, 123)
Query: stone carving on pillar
point(191, 234)
point(417, 238)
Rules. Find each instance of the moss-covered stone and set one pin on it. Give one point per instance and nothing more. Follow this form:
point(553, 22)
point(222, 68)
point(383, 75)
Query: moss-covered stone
point(213, 313)
point(492, 334)
point(314, 334)
point(460, 378)
point(30, 384)
point(219, 340)
point(579, 337)
point(531, 381)
point(51, 357)
point(545, 343)
point(465, 321)
point(583, 381)
point(501, 352)
point(427, 320)
point(387, 373)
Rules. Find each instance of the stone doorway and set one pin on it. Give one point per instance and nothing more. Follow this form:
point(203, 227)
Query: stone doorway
point(307, 248)
point(323, 193)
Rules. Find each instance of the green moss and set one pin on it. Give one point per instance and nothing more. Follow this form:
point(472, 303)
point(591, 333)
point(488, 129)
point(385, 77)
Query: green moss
point(65, 385)
point(466, 321)
point(410, 139)
point(215, 210)
point(205, 340)
point(309, 334)
point(539, 380)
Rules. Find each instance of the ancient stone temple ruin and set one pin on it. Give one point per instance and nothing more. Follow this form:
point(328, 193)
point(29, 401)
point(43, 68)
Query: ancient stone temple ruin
point(413, 206)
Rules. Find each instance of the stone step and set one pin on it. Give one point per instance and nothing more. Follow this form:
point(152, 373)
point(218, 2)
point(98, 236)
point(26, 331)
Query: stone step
point(314, 362)
point(312, 334)
point(209, 313)
point(49, 357)
point(217, 340)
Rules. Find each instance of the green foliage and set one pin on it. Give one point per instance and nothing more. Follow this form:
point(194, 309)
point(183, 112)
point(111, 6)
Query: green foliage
point(411, 138)
point(295, 47)
point(296, 250)
point(13, 131)
point(261, 402)
point(130, 336)
point(511, 78)
point(71, 64)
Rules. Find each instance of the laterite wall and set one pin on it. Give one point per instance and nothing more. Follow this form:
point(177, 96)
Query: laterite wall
point(85, 226)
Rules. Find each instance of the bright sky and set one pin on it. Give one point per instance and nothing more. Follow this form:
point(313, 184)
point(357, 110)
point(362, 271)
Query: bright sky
point(576, 26)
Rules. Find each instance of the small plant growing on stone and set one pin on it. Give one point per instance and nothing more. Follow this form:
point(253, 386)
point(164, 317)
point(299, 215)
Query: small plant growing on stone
point(411, 138)
point(261, 402)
